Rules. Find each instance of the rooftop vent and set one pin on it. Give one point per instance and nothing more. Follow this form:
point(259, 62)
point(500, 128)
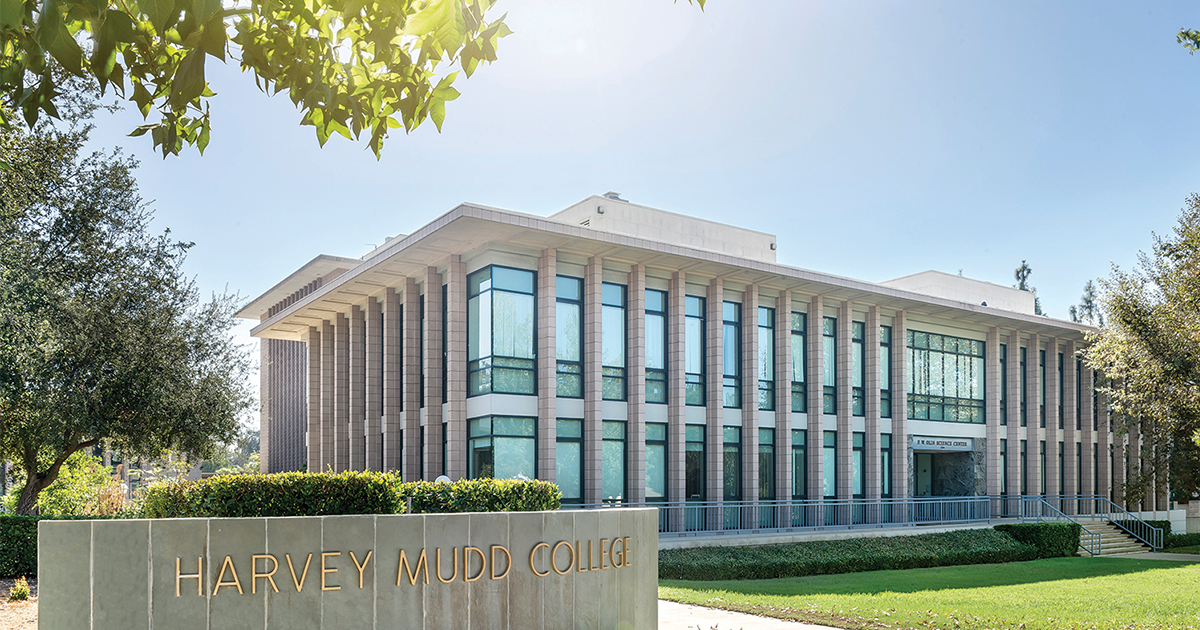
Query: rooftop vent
point(615, 196)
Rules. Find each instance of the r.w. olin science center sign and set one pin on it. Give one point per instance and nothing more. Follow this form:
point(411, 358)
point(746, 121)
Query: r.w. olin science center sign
point(513, 570)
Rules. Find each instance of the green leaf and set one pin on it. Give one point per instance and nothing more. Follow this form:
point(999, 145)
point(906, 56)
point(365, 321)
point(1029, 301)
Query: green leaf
point(214, 37)
point(53, 35)
point(435, 15)
point(204, 9)
point(162, 13)
point(12, 14)
point(188, 83)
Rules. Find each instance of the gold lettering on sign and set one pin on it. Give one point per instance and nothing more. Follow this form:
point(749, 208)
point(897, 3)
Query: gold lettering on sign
point(554, 557)
point(467, 563)
point(298, 583)
point(328, 554)
point(617, 559)
point(507, 564)
point(602, 541)
point(360, 567)
point(412, 576)
point(438, 562)
point(255, 575)
point(221, 577)
point(626, 552)
point(579, 557)
point(181, 576)
point(532, 553)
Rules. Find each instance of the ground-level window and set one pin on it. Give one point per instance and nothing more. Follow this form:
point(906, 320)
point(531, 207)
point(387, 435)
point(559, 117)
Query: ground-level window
point(693, 459)
point(656, 461)
point(612, 460)
point(733, 463)
point(799, 464)
point(829, 465)
point(502, 447)
point(766, 463)
point(568, 457)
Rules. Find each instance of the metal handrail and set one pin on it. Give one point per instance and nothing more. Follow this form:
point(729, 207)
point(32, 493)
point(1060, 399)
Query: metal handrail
point(1135, 526)
point(1094, 540)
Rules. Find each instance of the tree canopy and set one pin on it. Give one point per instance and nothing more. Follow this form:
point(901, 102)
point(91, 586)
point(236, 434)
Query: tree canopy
point(1149, 352)
point(103, 339)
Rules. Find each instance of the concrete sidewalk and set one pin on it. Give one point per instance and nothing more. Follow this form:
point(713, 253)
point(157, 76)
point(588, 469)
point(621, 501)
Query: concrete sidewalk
point(1158, 555)
point(674, 616)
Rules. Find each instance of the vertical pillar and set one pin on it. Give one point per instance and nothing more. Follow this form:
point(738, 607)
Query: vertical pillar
point(393, 372)
point(1091, 455)
point(900, 448)
point(1070, 414)
point(455, 355)
point(992, 411)
point(1033, 398)
point(715, 395)
point(845, 401)
point(265, 398)
point(411, 357)
point(313, 341)
point(358, 389)
point(374, 424)
point(635, 365)
point(1106, 483)
point(749, 361)
point(676, 384)
point(783, 396)
point(433, 374)
point(341, 394)
point(593, 401)
point(816, 405)
point(872, 482)
point(1133, 469)
point(547, 366)
point(328, 379)
point(1013, 395)
point(1053, 433)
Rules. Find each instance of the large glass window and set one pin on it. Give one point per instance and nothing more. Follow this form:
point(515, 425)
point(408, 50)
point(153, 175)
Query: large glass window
point(1078, 394)
point(1003, 466)
point(766, 358)
point(568, 345)
point(799, 464)
point(1060, 390)
point(656, 461)
point(1042, 466)
point(693, 351)
point(1003, 384)
point(612, 341)
point(885, 464)
point(1024, 465)
point(945, 378)
point(502, 447)
point(733, 463)
point(694, 469)
point(1062, 482)
point(500, 331)
point(568, 458)
point(799, 386)
point(885, 371)
point(858, 369)
point(856, 464)
point(731, 364)
point(766, 463)
point(612, 460)
point(829, 363)
point(1042, 408)
point(656, 346)
point(1024, 391)
point(829, 465)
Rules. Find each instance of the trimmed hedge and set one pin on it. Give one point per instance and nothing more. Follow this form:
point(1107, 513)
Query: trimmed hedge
point(1052, 540)
point(968, 546)
point(18, 546)
point(1181, 540)
point(327, 494)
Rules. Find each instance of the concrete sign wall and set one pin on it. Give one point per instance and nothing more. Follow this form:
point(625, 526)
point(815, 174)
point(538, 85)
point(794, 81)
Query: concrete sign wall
point(520, 570)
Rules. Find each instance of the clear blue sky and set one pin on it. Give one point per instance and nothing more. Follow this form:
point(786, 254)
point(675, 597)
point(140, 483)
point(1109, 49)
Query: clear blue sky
point(877, 139)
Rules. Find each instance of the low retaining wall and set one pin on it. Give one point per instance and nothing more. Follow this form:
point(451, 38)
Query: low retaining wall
point(518, 570)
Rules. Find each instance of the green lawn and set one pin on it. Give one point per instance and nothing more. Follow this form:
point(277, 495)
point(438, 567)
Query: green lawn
point(1195, 550)
point(1054, 594)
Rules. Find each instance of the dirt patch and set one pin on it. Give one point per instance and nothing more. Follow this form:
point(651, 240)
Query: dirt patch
point(18, 614)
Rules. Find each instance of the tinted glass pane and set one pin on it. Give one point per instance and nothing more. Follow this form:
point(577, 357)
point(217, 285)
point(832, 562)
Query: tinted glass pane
point(766, 436)
point(656, 471)
point(567, 465)
point(694, 345)
point(693, 306)
point(798, 360)
point(731, 311)
point(656, 300)
point(513, 322)
point(512, 426)
point(612, 294)
point(828, 483)
point(613, 430)
point(568, 324)
point(479, 327)
point(656, 343)
point(515, 458)
point(798, 322)
point(694, 433)
point(798, 437)
point(613, 469)
point(612, 342)
point(732, 350)
point(732, 435)
point(766, 354)
point(733, 473)
point(829, 326)
point(656, 432)
point(512, 279)
point(569, 428)
point(568, 288)
point(479, 281)
point(766, 471)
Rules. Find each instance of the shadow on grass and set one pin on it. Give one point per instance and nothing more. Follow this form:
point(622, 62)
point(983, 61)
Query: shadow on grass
point(936, 578)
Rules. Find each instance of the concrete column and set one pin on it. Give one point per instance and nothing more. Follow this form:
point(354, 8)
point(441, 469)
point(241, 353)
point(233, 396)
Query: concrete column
point(750, 394)
point(845, 397)
point(1033, 398)
point(593, 405)
point(433, 374)
point(1013, 366)
point(992, 410)
point(265, 398)
point(1105, 483)
point(872, 482)
point(1070, 413)
point(714, 396)
point(676, 395)
point(635, 373)
point(547, 365)
point(900, 449)
point(328, 378)
point(1053, 433)
point(456, 368)
point(374, 423)
point(1090, 453)
point(1119, 456)
point(341, 394)
point(783, 396)
point(393, 372)
point(1133, 469)
point(313, 341)
point(358, 389)
point(411, 376)
point(816, 407)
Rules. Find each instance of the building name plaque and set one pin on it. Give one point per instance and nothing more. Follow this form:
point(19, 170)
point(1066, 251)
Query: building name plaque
point(942, 444)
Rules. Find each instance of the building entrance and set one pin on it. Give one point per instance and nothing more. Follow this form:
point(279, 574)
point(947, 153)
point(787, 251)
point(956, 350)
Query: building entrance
point(945, 474)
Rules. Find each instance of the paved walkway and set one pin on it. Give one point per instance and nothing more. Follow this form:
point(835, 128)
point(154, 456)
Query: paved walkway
point(1158, 555)
point(673, 616)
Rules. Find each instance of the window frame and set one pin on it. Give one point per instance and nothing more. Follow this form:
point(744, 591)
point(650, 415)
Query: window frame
point(488, 363)
point(564, 368)
point(657, 375)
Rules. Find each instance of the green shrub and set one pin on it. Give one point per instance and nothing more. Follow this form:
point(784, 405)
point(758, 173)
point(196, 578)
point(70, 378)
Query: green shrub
point(1163, 525)
point(1181, 540)
point(18, 545)
point(19, 591)
point(968, 546)
point(481, 495)
point(75, 491)
point(1052, 540)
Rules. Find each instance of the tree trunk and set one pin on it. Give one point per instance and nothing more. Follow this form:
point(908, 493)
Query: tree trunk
point(34, 484)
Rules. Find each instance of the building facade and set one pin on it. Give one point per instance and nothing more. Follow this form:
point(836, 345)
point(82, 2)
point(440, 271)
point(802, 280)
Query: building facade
point(632, 354)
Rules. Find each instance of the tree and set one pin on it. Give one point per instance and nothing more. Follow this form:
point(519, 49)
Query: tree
point(1149, 354)
point(1089, 309)
point(102, 337)
point(1022, 274)
point(349, 65)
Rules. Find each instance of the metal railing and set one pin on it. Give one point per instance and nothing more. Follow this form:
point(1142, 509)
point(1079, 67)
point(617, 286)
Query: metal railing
point(1100, 507)
point(1039, 509)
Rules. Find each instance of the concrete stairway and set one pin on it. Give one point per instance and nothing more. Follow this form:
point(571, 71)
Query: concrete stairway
point(1113, 539)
